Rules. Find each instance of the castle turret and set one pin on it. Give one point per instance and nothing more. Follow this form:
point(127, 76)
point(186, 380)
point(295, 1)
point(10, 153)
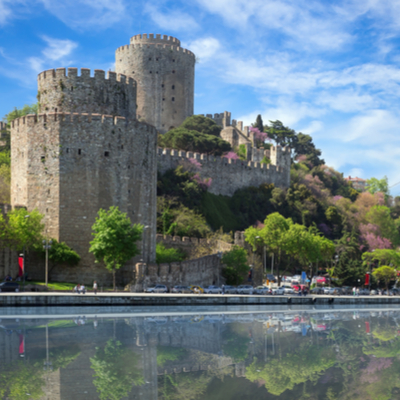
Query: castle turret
point(164, 73)
point(61, 92)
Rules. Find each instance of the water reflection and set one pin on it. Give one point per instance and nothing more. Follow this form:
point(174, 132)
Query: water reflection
point(312, 354)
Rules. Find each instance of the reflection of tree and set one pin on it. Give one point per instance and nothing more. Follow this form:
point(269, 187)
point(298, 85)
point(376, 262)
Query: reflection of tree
point(60, 357)
point(302, 365)
point(22, 378)
point(165, 353)
point(235, 345)
point(116, 370)
point(188, 386)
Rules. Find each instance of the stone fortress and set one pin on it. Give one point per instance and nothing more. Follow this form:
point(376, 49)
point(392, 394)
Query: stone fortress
point(94, 145)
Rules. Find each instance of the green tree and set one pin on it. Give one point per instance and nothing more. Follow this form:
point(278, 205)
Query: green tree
point(201, 124)
point(164, 255)
point(116, 370)
point(167, 353)
point(381, 217)
point(378, 185)
point(236, 267)
point(383, 257)
point(189, 140)
point(115, 239)
point(273, 236)
point(259, 123)
point(24, 229)
point(385, 274)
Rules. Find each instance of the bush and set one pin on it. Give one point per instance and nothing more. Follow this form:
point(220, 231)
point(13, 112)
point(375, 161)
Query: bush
point(164, 255)
point(201, 124)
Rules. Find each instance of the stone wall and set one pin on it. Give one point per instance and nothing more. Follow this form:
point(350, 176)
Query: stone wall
point(164, 73)
point(68, 166)
point(230, 175)
point(59, 92)
point(201, 271)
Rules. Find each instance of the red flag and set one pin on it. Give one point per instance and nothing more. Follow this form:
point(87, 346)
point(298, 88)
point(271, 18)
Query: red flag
point(366, 279)
point(367, 327)
point(21, 344)
point(21, 266)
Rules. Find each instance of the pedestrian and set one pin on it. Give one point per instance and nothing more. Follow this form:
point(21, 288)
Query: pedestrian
point(354, 291)
point(358, 292)
point(95, 287)
point(223, 289)
point(83, 289)
point(77, 288)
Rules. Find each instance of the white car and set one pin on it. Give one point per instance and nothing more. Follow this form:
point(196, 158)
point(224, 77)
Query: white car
point(212, 290)
point(157, 289)
point(244, 289)
point(263, 290)
point(278, 290)
point(287, 289)
point(229, 289)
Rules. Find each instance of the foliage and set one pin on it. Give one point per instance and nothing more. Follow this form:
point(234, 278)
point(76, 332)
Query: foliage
point(385, 273)
point(242, 152)
point(378, 185)
point(201, 124)
point(20, 112)
point(236, 267)
point(114, 239)
point(165, 354)
point(116, 370)
point(189, 140)
point(164, 255)
point(23, 228)
point(380, 216)
point(235, 345)
point(60, 253)
point(382, 256)
point(259, 123)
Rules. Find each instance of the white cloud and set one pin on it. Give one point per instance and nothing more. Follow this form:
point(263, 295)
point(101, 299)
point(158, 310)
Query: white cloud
point(356, 172)
point(204, 48)
point(87, 14)
point(313, 128)
point(171, 20)
point(5, 11)
point(58, 48)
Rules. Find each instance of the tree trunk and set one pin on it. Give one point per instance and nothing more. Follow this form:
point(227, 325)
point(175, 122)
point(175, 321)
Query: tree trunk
point(114, 279)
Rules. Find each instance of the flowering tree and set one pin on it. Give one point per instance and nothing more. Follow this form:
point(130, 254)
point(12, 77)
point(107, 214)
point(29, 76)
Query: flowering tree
point(231, 155)
point(259, 137)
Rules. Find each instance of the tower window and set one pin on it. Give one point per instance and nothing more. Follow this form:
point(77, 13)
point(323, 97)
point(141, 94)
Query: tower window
point(163, 99)
point(72, 88)
point(67, 150)
point(156, 72)
point(122, 146)
point(156, 59)
point(150, 72)
point(173, 71)
point(79, 151)
point(173, 60)
point(106, 153)
point(173, 87)
point(162, 85)
point(173, 99)
point(149, 58)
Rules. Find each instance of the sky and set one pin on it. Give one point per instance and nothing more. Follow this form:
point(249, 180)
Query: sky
point(327, 69)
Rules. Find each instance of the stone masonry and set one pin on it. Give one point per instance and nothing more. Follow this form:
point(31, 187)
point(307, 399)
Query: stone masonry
point(164, 73)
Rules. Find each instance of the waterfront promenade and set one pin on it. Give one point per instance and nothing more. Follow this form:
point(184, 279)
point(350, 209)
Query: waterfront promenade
point(149, 299)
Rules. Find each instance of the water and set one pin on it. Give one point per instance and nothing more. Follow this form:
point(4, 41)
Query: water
point(200, 353)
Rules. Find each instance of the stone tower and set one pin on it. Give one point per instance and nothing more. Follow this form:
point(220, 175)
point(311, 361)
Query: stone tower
point(82, 155)
point(164, 73)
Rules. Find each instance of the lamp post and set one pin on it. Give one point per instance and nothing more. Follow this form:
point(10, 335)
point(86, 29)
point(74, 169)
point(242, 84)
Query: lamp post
point(47, 246)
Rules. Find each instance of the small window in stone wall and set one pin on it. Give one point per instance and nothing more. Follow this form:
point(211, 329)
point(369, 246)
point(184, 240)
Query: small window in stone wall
point(106, 153)
point(156, 59)
point(173, 99)
point(173, 60)
point(149, 58)
point(72, 88)
point(48, 192)
point(133, 72)
point(150, 71)
point(162, 85)
point(43, 159)
point(79, 151)
point(122, 146)
point(173, 71)
point(129, 167)
point(129, 191)
point(55, 110)
point(156, 72)
point(173, 87)
point(163, 99)
point(67, 150)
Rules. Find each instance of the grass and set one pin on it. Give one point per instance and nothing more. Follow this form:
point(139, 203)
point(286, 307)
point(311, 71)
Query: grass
point(65, 286)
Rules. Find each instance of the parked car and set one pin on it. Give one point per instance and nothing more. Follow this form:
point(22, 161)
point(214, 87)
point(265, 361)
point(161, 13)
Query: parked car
point(317, 290)
point(328, 290)
point(278, 291)
point(230, 289)
point(157, 289)
point(364, 292)
point(180, 289)
point(212, 290)
point(9, 287)
point(373, 292)
point(244, 289)
point(262, 290)
point(271, 278)
point(287, 289)
point(196, 289)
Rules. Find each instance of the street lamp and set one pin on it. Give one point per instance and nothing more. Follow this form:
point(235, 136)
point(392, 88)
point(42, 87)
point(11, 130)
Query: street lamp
point(47, 246)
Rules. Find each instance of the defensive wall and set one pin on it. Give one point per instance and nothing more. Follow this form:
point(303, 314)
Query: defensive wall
point(164, 73)
point(201, 271)
point(62, 92)
point(69, 166)
point(229, 175)
point(188, 244)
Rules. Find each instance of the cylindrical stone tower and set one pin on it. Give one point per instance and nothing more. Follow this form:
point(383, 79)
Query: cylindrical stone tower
point(164, 73)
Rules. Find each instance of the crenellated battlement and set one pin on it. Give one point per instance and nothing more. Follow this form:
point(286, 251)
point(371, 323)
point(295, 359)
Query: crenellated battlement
point(171, 47)
point(3, 126)
point(153, 39)
point(75, 118)
point(63, 89)
point(98, 76)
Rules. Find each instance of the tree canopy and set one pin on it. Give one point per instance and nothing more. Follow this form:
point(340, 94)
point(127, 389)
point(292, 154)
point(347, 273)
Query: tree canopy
point(201, 124)
point(115, 239)
point(235, 265)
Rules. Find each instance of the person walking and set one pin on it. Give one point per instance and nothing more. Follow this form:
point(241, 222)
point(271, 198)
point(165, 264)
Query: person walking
point(83, 289)
point(354, 291)
point(223, 289)
point(95, 287)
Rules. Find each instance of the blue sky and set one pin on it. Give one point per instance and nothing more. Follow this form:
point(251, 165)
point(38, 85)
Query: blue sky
point(329, 69)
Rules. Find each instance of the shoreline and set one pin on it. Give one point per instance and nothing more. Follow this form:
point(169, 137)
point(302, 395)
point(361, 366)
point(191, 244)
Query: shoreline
point(143, 299)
